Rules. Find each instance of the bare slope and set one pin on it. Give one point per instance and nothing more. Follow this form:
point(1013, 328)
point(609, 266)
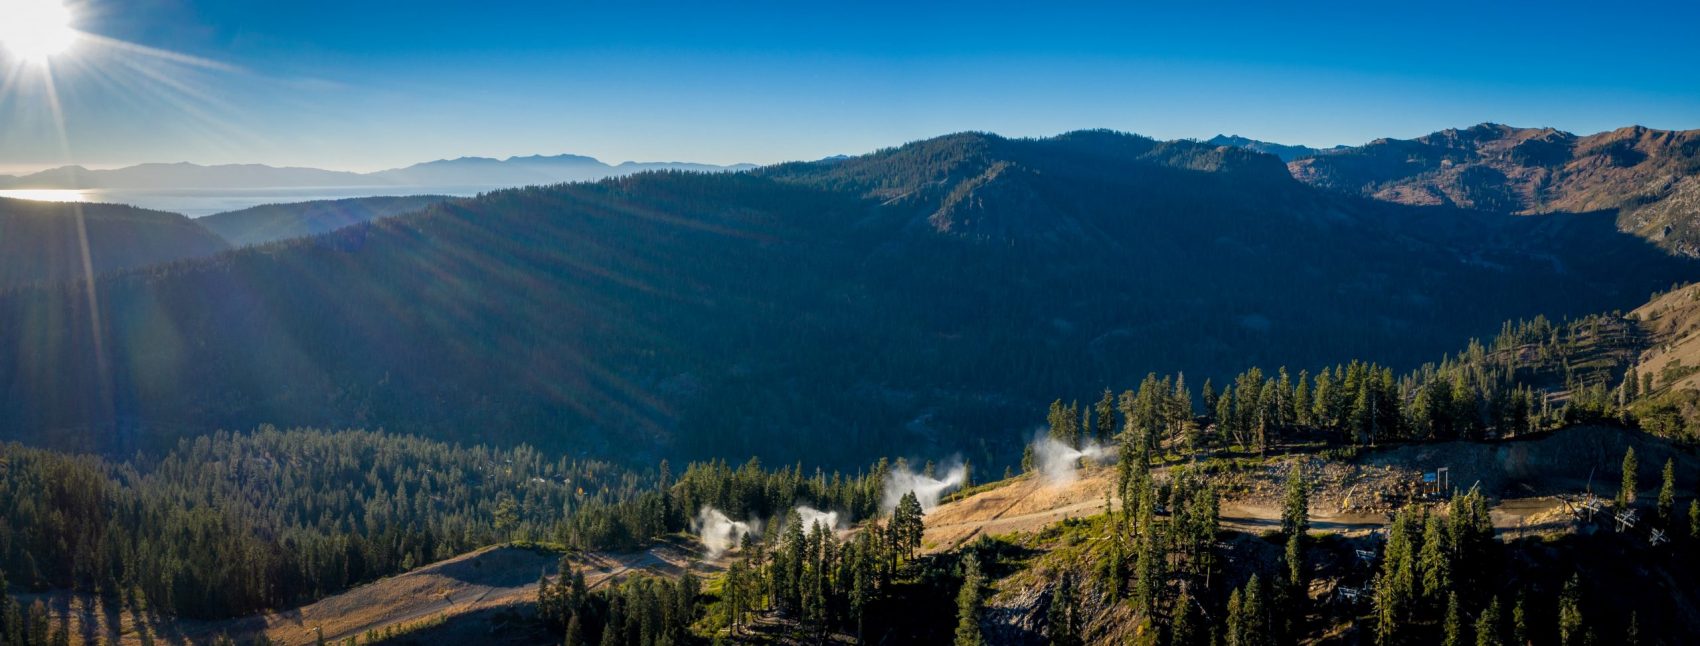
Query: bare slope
point(461, 589)
point(1650, 178)
point(1527, 478)
point(1672, 321)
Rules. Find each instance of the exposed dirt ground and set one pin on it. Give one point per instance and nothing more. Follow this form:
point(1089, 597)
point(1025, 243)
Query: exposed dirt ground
point(1027, 503)
point(1527, 481)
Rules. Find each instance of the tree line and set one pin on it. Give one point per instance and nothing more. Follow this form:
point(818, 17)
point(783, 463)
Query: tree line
point(1535, 375)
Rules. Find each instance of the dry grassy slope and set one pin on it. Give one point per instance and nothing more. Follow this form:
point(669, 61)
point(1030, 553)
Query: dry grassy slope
point(1672, 323)
point(463, 589)
point(1524, 477)
point(1026, 503)
point(1648, 175)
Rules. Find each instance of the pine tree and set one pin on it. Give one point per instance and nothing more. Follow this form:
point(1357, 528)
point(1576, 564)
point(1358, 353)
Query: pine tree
point(1226, 425)
point(968, 604)
point(1520, 622)
point(1296, 580)
point(1184, 628)
point(575, 636)
point(1254, 607)
point(1396, 587)
point(788, 562)
point(1303, 407)
point(1694, 518)
point(1104, 427)
point(862, 590)
point(1667, 493)
point(1268, 416)
point(1570, 629)
point(1148, 563)
point(908, 525)
point(1453, 624)
point(1487, 625)
point(1626, 491)
point(1061, 620)
point(1295, 508)
point(1238, 630)
point(615, 625)
point(1207, 395)
point(1435, 561)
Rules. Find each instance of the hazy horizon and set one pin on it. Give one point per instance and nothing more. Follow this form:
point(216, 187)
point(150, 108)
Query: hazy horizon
point(364, 88)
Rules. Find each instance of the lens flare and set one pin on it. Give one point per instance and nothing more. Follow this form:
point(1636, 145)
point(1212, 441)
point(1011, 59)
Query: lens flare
point(35, 30)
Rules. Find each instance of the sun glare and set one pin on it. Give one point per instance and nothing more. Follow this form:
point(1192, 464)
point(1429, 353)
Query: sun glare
point(46, 194)
point(35, 30)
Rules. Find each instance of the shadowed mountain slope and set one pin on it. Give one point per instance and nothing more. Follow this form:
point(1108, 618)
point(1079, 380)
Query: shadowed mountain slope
point(273, 222)
point(1286, 152)
point(42, 242)
point(928, 296)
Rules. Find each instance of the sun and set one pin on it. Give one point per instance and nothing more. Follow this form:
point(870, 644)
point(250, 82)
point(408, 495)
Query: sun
point(35, 30)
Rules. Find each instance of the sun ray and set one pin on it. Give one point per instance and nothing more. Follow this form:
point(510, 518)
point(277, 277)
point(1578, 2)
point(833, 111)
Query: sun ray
point(82, 229)
point(128, 47)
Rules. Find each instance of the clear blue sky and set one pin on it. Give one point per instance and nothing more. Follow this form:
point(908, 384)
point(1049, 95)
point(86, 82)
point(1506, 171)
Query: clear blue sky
point(371, 84)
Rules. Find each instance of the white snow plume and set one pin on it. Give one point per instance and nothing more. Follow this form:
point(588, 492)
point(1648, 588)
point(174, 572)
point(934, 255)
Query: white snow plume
point(719, 533)
point(810, 516)
point(927, 489)
point(1059, 463)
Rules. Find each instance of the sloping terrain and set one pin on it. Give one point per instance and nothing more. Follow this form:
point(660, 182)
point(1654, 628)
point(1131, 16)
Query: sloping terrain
point(1649, 179)
point(1286, 152)
point(459, 591)
point(917, 297)
point(45, 242)
point(1527, 479)
point(273, 222)
point(1673, 355)
point(1534, 484)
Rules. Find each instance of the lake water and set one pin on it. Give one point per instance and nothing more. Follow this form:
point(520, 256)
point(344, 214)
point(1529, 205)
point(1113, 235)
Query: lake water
point(201, 202)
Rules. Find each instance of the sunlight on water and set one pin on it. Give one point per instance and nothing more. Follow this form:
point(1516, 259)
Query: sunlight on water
point(47, 195)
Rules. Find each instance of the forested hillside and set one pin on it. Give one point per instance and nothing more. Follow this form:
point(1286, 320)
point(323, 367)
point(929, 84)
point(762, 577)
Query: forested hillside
point(273, 222)
point(922, 296)
point(45, 242)
point(230, 524)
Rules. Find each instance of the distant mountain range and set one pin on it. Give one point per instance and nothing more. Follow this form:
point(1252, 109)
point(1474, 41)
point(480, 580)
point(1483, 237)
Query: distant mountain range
point(1285, 152)
point(464, 171)
point(918, 300)
point(1648, 179)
